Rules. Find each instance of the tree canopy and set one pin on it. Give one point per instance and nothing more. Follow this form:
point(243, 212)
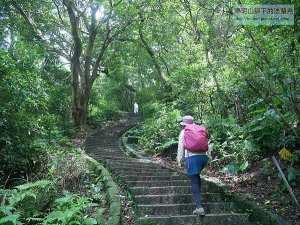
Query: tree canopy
point(68, 64)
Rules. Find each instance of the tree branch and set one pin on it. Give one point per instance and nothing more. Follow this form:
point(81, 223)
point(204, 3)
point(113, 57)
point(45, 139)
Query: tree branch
point(33, 26)
point(152, 56)
point(37, 32)
point(92, 37)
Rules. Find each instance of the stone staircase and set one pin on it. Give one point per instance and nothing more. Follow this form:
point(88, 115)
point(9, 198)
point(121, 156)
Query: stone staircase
point(163, 196)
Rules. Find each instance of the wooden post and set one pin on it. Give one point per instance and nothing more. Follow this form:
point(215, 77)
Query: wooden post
point(286, 182)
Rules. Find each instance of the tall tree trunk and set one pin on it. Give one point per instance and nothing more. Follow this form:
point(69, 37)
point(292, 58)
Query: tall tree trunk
point(85, 97)
point(76, 106)
point(75, 64)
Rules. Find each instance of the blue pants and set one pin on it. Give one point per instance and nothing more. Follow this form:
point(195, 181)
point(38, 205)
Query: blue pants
point(194, 165)
point(196, 189)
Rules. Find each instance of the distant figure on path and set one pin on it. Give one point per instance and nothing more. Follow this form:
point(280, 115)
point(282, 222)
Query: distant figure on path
point(195, 159)
point(135, 108)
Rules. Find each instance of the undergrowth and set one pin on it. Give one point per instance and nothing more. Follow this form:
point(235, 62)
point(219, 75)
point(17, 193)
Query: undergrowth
point(69, 193)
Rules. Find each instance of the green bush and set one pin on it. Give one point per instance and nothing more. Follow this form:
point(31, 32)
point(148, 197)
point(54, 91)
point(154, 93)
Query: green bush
point(69, 196)
point(70, 209)
point(29, 115)
point(150, 109)
point(27, 202)
point(160, 131)
point(104, 110)
point(68, 169)
point(268, 132)
point(21, 116)
point(30, 203)
point(230, 142)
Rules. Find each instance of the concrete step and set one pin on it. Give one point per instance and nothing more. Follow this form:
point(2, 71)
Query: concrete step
point(166, 190)
point(117, 158)
point(147, 183)
point(107, 154)
point(135, 164)
point(99, 137)
point(146, 168)
point(184, 209)
point(175, 198)
point(103, 148)
point(209, 219)
point(138, 166)
point(96, 139)
point(153, 178)
point(101, 145)
point(147, 173)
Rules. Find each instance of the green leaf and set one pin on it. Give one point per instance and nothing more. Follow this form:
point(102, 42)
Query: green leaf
point(234, 168)
point(55, 216)
point(52, 170)
point(231, 169)
point(243, 166)
point(292, 173)
point(90, 221)
point(65, 199)
point(39, 184)
point(13, 218)
point(277, 101)
point(99, 217)
point(21, 196)
point(259, 111)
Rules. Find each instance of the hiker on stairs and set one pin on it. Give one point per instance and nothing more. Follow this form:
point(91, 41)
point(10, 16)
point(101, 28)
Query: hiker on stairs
point(192, 149)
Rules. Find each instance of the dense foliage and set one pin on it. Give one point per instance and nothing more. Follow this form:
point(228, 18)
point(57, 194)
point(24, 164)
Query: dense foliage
point(32, 115)
point(66, 193)
point(65, 64)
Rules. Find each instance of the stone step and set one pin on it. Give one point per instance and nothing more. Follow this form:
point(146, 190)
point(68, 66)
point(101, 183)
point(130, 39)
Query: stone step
point(147, 173)
point(111, 153)
point(153, 178)
point(183, 181)
point(184, 209)
point(131, 168)
point(166, 190)
point(135, 163)
point(96, 139)
point(175, 198)
point(103, 148)
point(118, 158)
point(108, 153)
point(205, 187)
point(138, 166)
point(101, 145)
point(208, 219)
point(154, 183)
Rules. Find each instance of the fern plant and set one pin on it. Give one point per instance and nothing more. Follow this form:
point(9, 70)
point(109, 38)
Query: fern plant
point(9, 215)
point(25, 201)
point(70, 209)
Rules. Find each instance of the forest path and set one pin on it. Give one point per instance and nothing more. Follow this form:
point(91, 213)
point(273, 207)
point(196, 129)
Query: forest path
point(163, 195)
